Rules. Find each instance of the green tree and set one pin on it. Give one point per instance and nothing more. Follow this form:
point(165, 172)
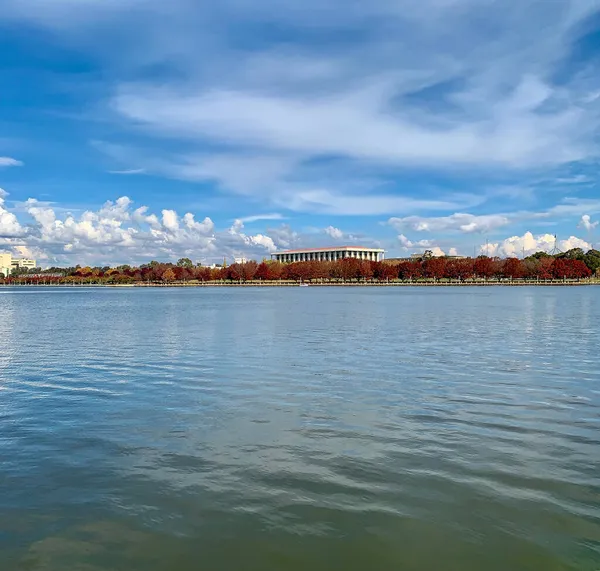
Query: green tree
point(574, 254)
point(592, 260)
point(185, 263)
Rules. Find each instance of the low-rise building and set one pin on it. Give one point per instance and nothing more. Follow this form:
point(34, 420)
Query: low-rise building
point(5, 264)
point(8, 264)
point(23, 263)
point(329, 254)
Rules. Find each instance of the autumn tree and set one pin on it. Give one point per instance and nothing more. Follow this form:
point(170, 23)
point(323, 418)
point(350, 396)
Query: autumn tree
point(275, 270)
point(460, 269)
point(484, 267)
point(350, 268)
point(262, 272)
point(410, 270)
point(387, 272)
point(434, 268)
point(364, 270)
point(168, 275)
point(513, 268)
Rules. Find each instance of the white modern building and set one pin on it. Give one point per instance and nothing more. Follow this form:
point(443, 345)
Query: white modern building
point(329, 254)
point(8, 264)
point(5, 264)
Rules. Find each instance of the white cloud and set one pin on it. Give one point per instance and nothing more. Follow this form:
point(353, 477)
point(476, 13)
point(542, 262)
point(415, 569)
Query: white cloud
point(334, 233)
point(409, 244)
point(9, 225)
point(10, 162)
point(465, 223)
point(587, 224)
point(256, 240)
point(284, 237)
point(326, 201)
point(119, 233)
point(128, 171)
point(528, 244)
point(170, 220)
point(437, 251)
point(407, 90)
point(364, 125)
point(258, 217)
point(207, 226)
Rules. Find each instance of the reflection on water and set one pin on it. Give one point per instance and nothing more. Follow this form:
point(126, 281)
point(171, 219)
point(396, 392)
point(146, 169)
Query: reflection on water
point(302, 428)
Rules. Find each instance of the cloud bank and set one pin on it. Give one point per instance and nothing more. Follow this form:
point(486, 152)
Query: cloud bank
point(118, 232)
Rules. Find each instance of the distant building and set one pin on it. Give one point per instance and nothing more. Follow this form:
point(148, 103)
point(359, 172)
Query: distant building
point(5, 264)
point(329, 254)
point(240, 260)
point(8, 264)
point(23, 263)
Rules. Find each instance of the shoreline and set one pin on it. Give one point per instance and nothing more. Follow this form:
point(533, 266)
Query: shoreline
point(554, 283)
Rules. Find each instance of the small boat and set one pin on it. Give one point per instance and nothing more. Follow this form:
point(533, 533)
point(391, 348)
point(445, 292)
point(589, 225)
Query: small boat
point(302, 284)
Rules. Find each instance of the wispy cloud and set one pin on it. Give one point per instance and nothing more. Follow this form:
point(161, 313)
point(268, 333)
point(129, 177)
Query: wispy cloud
point(258, 217)
point(10, 162)
point(128, 171)
point(384, 109)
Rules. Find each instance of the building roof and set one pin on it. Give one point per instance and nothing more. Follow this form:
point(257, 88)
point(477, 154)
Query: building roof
point(330, 249)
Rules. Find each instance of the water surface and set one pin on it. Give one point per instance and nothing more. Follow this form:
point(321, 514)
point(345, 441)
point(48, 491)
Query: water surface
point(301, 428)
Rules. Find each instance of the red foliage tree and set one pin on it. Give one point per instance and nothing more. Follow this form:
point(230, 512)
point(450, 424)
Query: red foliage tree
point(410, 270)
point(365, 270)
point(484, 267)
point(350, 268)
point(560, 268)
point(275, 270)
point(434, 268)
point(460, 269)
point(580, 270)
point(513, 268)
point(262, 272)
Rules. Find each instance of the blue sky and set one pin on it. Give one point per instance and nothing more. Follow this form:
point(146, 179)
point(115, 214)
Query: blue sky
point(139, 129)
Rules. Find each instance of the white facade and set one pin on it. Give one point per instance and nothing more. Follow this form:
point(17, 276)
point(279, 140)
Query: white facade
point(26, 263)
point(240, 260)
point(329, 254)
point(5, 264)
point(8, 263)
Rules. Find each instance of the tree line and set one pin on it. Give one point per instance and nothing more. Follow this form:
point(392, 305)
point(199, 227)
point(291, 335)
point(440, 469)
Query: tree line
point(572, 265)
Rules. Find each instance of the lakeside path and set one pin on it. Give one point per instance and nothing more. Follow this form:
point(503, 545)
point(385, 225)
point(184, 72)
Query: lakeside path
point(549, 283)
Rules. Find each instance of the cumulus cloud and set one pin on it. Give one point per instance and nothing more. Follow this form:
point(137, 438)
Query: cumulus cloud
point(408, 244)
point(119, 232)
point(10, 162)
point(9, 225)
point(266, 242)
point(334, 233)
point(284, 237)
point(437, 251)
point(587, 224)
point(528, 244)
point(459, 222)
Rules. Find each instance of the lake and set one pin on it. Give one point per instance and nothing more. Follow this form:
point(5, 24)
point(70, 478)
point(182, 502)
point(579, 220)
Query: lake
point(300, 429)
